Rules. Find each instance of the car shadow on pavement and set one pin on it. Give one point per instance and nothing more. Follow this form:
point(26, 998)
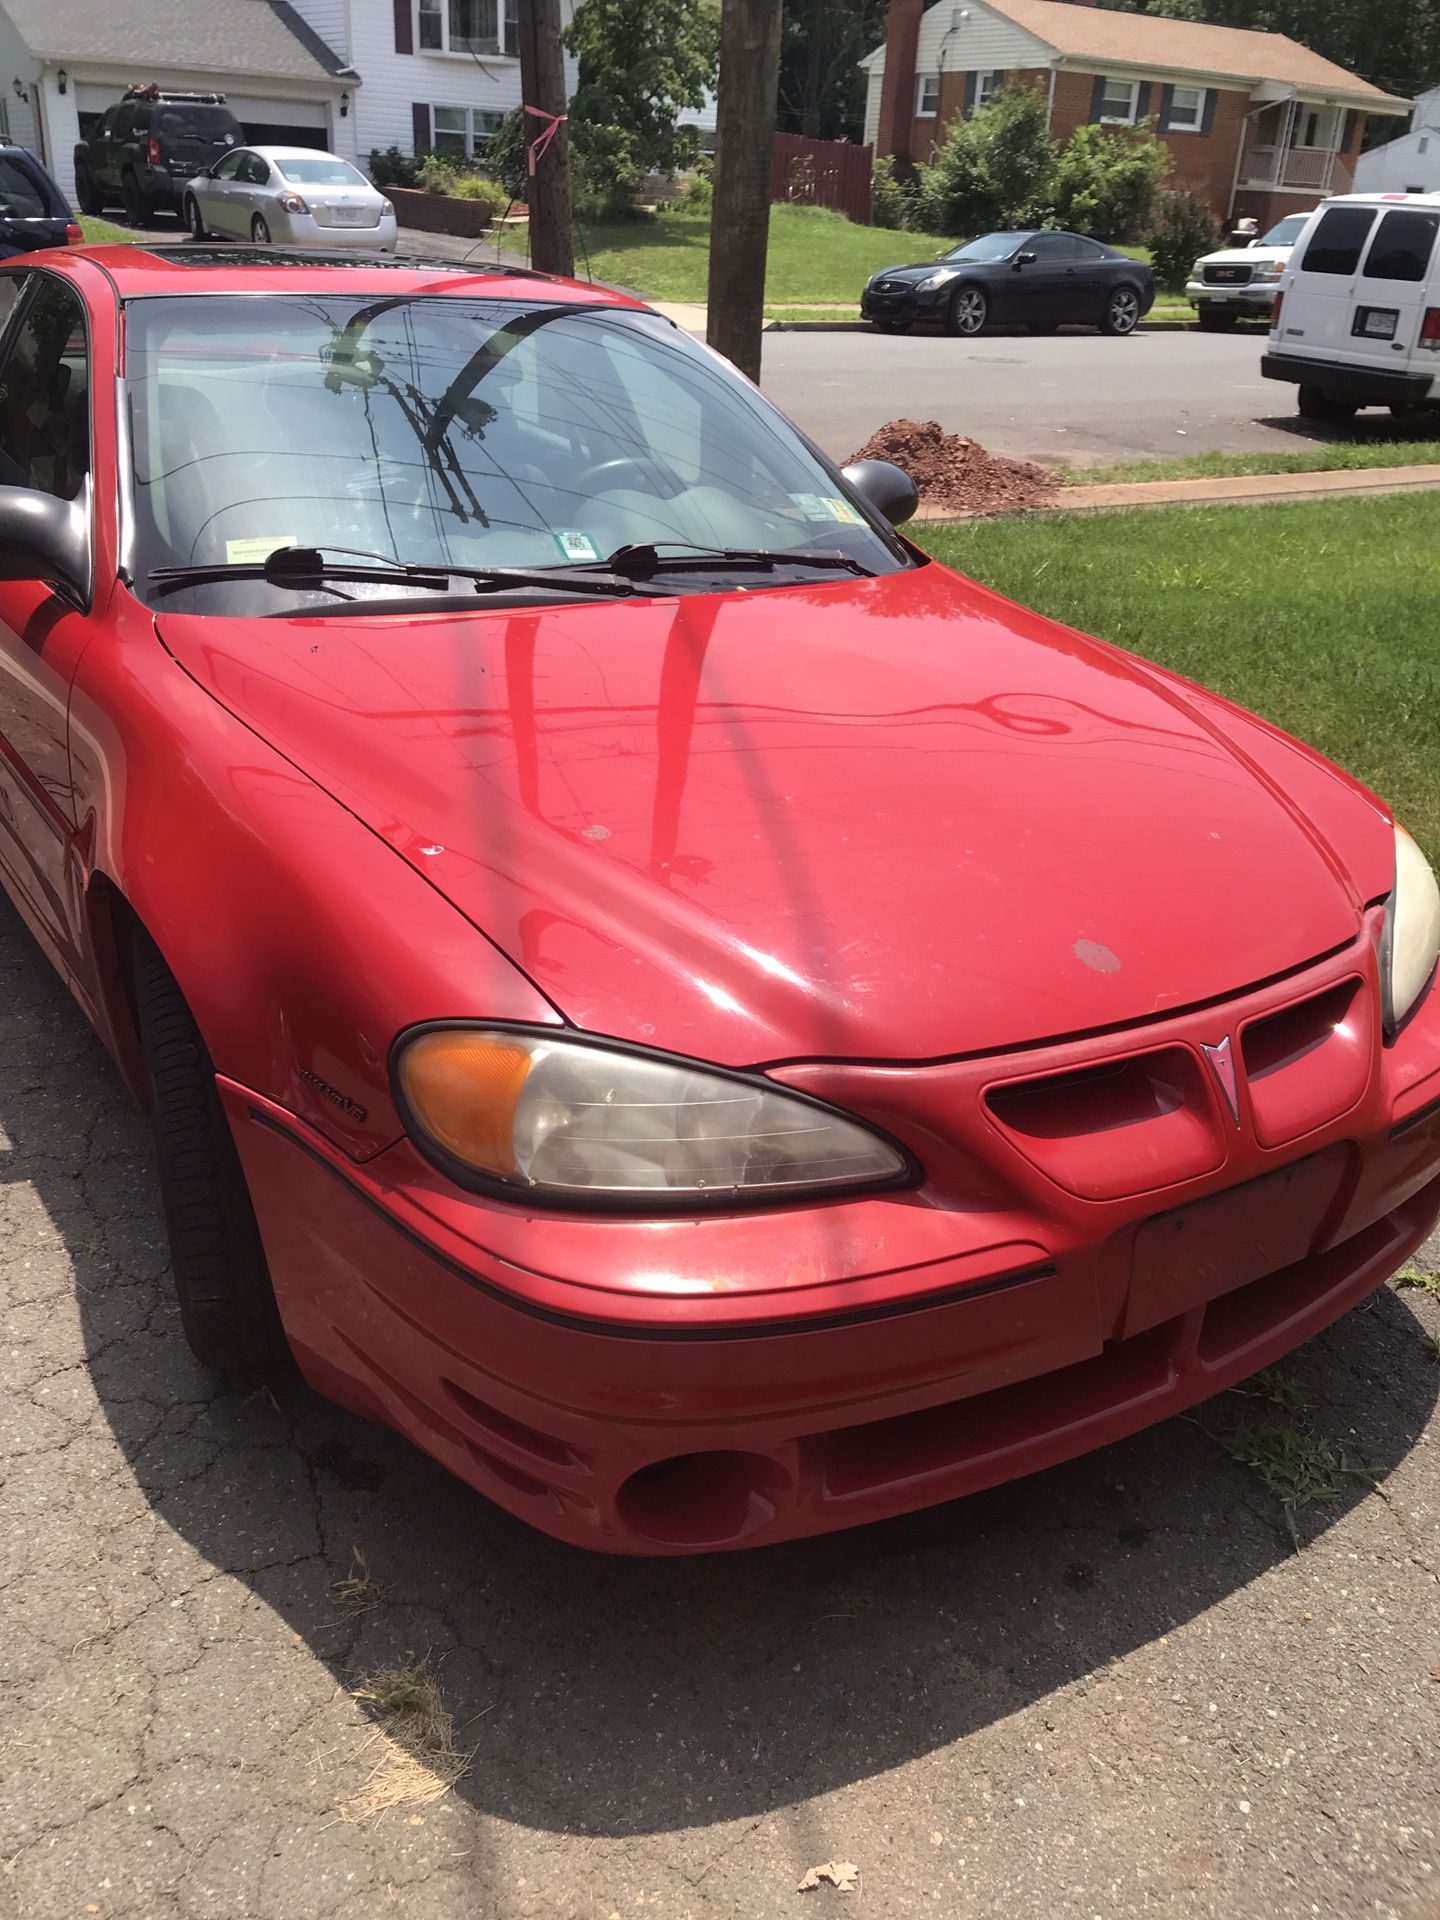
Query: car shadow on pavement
point(609, 1696)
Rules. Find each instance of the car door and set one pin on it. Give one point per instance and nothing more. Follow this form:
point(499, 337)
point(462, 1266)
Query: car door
point(254, 178)
point(1038, 292)
point(220, 201)
point(46, 439)
point(32, 214)
point(1391, 296)
point(1093, 272)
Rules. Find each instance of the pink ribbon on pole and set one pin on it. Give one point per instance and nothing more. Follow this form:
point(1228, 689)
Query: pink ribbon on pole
point(536, 150)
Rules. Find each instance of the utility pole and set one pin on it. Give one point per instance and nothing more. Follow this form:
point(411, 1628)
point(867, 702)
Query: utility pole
point(744, 140)
point(542, 86)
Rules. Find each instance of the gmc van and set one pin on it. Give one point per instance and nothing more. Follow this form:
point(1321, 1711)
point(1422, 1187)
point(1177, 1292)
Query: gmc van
point(1357, 320)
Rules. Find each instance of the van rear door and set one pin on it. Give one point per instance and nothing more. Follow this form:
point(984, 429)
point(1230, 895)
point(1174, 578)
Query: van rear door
point(1325, 273)
point(1391, 298)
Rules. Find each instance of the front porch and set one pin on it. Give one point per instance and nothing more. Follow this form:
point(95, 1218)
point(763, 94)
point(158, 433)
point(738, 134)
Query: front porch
point(1298, 146)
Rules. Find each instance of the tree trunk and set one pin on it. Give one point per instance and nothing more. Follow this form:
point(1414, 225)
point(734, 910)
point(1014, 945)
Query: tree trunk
point(744, 139)
point(542, 85)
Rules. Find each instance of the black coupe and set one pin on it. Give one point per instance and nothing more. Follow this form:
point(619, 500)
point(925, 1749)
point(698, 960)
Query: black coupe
point(1037, 280)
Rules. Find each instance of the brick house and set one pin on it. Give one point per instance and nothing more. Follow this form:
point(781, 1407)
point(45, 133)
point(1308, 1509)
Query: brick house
point(1257, 124)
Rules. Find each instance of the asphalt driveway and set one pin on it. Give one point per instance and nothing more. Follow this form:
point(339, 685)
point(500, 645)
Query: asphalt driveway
point(1109, 1690)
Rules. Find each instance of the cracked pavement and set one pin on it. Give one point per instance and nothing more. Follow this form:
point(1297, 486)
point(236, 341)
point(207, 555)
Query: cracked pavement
point(1107, 1690)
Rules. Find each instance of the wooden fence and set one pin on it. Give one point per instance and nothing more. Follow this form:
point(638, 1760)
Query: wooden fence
point(822, 173)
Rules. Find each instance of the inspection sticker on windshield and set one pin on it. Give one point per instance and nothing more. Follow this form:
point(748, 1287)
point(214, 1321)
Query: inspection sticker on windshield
point(842, 510)
point(576, 546)
point(257, 549)
point(821, 506)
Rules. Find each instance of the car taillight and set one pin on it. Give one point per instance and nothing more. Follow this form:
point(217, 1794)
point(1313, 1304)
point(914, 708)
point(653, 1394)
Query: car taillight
point(292, 203)
point(1430, 330)
point(74, 236)
point(1275, 313)
point(152, 151)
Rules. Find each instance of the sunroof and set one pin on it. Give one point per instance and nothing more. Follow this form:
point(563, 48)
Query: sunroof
point(277, 257)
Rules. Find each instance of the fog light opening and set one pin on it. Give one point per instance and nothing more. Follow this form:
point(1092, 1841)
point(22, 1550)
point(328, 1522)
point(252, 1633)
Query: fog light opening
point(703, 1499)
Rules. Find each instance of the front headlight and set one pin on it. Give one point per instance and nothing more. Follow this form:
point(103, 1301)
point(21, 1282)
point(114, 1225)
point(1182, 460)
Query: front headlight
point(545, 1115)
point(1268, 270)
point(1197, 272)
point(937, 279)
point(1410, 944)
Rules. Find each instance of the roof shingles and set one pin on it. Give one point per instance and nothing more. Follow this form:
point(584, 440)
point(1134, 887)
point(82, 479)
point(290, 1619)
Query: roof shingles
point(263, 38)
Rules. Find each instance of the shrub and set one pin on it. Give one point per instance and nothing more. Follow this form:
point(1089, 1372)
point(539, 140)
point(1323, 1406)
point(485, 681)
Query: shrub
point(892, 202)
point(472, 186)
point(1183, 230)
point(392, 168)
point(698, 193)
point(505, 153)
point(437, 173)
point(1108, 181)
point(995, 169)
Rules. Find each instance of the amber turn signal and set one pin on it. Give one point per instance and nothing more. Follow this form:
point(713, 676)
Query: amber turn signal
point(463, 1088)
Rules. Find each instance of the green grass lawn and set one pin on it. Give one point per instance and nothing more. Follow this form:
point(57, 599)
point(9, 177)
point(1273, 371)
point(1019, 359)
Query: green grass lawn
point(1345, 456)
point(1320, 615)
point(814, 258)
point(100, 233)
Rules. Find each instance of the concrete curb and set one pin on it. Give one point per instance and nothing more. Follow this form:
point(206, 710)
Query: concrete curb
point(863, 326)
point(1250, 489)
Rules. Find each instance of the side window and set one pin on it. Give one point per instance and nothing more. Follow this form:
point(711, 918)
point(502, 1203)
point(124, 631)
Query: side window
point(256, 171)
point(1053, 247)
point(229, 167)
point(12, 285)
point(1402, 246)
point(124, 123)
point(105, 125)
point(20, 195)
point(44, 396)
point(1336, 244)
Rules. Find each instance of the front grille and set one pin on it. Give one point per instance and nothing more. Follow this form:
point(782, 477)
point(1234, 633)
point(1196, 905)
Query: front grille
point(1227, 276)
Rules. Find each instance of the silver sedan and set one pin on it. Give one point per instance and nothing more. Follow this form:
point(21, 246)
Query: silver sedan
point(294, 196)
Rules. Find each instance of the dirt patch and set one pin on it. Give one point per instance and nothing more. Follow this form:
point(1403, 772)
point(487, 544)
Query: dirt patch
point(957, 473)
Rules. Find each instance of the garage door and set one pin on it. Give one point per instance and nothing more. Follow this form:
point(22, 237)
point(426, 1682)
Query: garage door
point(280, 123)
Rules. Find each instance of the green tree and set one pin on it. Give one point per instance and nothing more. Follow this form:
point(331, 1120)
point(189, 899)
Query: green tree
point(641, 63)
point(996, 169)
point(1108, 181)
point(1182, 232)
point(822, 86)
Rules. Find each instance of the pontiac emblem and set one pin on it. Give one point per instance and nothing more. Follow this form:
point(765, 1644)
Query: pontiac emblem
point(1222, 1065)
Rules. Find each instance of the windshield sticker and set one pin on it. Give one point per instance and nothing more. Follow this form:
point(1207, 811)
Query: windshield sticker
point(811, 505)
point(254, 551)
point(843, 511)
point(576, 546)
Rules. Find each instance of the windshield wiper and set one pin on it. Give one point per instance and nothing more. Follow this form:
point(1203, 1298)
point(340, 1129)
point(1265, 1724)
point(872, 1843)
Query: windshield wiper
point(302, 567)
point(641, 560)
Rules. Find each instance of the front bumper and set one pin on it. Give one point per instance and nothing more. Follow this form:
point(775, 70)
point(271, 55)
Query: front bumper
point(304, 230)
point(908, 304)
point(1123, 1251)
point(1256, 300)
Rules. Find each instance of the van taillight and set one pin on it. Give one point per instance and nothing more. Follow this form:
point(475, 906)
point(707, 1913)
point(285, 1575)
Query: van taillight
point(1275, 314)
point(1430, 330)
point(153, 152)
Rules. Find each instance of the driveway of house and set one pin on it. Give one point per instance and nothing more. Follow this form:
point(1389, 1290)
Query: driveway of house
point(1109, 1690)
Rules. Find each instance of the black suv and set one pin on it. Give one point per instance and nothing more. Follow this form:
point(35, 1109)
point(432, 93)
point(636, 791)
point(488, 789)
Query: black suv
point(144, 150)
point(33, 211)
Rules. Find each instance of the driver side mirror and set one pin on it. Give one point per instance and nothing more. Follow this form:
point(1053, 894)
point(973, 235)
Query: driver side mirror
point(42, 538)
point(1025, 260)
point(885, 487)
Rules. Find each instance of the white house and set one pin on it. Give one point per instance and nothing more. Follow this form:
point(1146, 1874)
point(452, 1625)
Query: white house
point(1412, 161)
point(63, 62)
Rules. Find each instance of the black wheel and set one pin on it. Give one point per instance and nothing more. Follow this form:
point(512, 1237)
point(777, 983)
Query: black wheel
point(259, 231)
point(968, 312)
point(1122, 312)
point(1315, 404)
point(91, 200)
point(891, 326)
point(1213, 321)
point(137, 207)
point(227, 1306)
point(190, 213)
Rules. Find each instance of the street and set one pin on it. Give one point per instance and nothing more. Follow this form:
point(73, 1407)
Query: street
point(1070, 396)
point(1110, 1689)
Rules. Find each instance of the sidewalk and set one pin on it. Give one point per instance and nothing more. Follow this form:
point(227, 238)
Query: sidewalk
point(1251, 489)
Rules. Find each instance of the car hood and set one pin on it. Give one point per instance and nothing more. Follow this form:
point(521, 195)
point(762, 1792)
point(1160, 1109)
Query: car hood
point(920, 270)
point(1245, 256)
point(896, 818)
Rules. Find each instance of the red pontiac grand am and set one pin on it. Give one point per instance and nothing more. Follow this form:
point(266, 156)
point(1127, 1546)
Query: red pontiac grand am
point(714, 1025)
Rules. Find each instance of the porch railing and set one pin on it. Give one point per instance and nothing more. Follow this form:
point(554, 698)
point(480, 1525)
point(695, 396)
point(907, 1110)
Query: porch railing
point(1313, 169)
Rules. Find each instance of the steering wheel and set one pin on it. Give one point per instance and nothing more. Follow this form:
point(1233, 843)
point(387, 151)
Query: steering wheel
point(644, 476)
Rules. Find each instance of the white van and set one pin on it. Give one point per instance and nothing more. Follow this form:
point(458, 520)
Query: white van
point(1357, 322)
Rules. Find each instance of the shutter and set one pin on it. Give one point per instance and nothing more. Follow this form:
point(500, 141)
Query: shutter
point(1207, 112)
point(1142, 100)
point(1097, 95)
point(1167, 100)
point(404, 27)
point(972, 82)
point(424, 140)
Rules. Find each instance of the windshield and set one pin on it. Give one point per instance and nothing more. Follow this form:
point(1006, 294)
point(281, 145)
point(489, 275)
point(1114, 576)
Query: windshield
point(435, 429)
point(990, 246)
point(320, 170)
point(1285, 232)
point(212, 124)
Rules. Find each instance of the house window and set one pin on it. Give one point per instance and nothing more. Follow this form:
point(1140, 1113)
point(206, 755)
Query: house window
point(467, 26)
point(927, 96)
point(987, 85)
point(1187, 110)
point(465, 131)
point(1118, 102)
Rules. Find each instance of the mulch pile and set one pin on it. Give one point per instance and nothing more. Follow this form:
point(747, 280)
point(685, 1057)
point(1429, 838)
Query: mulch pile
point(957, 473)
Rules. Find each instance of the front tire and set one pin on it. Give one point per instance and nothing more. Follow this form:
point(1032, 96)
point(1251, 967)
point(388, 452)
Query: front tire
point(1122, 313)
point(137, 208)
point(968, 313)
point(260, 231)
point(227, 1305)
point(91, 200)
point(192, 217)
point(1315, 404)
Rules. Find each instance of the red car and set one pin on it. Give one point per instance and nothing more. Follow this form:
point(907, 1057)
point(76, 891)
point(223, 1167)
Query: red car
point(716, 1026)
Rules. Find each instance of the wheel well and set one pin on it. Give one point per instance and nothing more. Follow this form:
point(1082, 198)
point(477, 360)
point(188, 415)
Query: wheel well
point(112, 926)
